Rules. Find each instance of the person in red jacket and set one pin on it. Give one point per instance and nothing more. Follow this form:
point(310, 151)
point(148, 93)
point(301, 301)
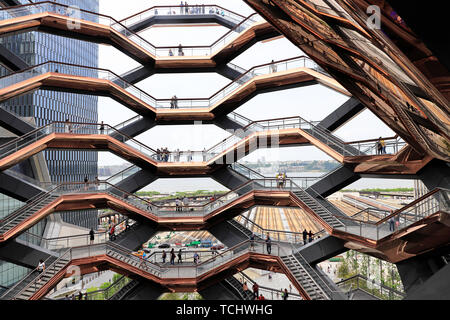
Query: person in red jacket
point(255, 291)
point(261, 297)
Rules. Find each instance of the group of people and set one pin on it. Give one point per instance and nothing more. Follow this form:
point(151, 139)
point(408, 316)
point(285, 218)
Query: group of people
point(163, 155)
point(195, 9)
point(173, 256)
point(307, 236)
point(259, 296)
point(174, 102)
point(381, 146)
point(180, 53)
point(179, 204)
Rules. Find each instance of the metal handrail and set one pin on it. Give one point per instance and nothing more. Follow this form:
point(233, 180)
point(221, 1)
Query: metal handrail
point(276, 231)
point(41, 275)
point(381, 285)
point(114, 23)
point(267, 288)
point(217, 96)
point(81, 185)
point(178, 6)
point(322, 206)
point(121, 280)
point(53, 128)
point(310, 276)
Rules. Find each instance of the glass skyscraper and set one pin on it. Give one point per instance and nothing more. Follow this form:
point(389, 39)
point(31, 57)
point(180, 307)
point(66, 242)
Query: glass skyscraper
point(47, 106)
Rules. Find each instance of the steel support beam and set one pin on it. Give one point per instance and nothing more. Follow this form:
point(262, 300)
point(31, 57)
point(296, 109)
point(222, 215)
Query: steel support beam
point(343, 114)
point(417, 271)
point(229, 178)
point(435, 174)
point(334, 181)
point(181, 19)
point(218, 291)
point(136, 236)
point(322, 249)
point(10, 60)
point(227, 234)
point(145, 290)
point(23, 254)
point(435, 288)
point(137, 181)
point(17, 188)
point(134, 129)
point(14, 124)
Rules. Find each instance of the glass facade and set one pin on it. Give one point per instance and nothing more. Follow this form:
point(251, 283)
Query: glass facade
point(47, 106)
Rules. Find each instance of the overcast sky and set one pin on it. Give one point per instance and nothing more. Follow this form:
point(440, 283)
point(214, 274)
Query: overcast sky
point(312, 103)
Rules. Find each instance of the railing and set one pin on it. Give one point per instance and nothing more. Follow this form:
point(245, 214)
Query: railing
point(311, 128)
point(243, 121)
point(107, 293)
point(189, 10)
point(278, 235)
point(122, 175)
point(41, 184)
point(126, 123)
point(162, 271)
point(380, 291)
point(74, 128)
point(65, 242)
point(435, 201)
point(29, 277)
point(36, 282)
point(144, 205)
point(80, 14)
point(150, 101)
point(59, 243)
point(317, 278)
point(30, 204)
point(302, 182)
point(269, 293)
point(324, 205)
point(322, 289)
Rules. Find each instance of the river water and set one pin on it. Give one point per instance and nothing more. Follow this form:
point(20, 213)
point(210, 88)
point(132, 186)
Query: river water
point(188, 184)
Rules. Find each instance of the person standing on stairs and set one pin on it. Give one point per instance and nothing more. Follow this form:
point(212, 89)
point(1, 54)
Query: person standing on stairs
point(269, 244)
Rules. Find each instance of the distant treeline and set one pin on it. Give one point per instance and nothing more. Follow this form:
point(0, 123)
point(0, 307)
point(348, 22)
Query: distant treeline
point(381, 190)
point(198, 193)
point(307, 166)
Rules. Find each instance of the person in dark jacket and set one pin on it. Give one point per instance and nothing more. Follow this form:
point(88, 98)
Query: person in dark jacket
point(172, 256)
point(305, 236)
point(269, 244)
point(92, 236)
point(164, 255)
point(180, 259)
point(285, 294)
